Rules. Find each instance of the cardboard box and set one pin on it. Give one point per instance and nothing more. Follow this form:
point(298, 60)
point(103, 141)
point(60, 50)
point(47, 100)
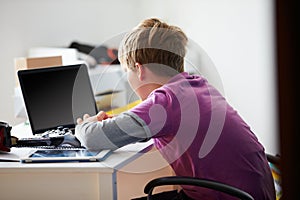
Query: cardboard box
point(36, 62)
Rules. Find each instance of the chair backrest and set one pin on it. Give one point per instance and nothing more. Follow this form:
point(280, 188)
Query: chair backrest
point(274, 163)
point(179, 180)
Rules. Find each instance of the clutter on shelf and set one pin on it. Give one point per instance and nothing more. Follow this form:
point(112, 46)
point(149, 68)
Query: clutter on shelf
point(95, 55)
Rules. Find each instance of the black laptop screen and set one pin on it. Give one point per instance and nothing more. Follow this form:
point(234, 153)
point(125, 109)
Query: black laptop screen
point(56, 96)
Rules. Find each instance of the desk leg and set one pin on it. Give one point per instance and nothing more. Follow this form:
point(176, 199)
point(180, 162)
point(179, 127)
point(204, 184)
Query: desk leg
point(107, 186)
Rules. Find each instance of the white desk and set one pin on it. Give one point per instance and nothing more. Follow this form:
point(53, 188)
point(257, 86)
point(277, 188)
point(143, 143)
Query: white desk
point(122, 175)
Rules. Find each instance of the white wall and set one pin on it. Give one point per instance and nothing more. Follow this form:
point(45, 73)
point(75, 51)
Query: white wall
point(53, 23)
point(236, 35)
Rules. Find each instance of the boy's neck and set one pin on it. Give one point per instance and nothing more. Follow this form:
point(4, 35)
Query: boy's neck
point(151, 85)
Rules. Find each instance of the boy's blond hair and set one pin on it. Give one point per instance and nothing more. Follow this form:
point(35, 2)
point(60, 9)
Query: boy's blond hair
point(155, 45)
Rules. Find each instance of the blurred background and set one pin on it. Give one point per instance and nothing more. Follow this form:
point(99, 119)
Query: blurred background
point(237, 36)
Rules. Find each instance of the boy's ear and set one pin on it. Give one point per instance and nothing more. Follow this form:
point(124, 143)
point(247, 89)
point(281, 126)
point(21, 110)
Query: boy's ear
point(140, 71)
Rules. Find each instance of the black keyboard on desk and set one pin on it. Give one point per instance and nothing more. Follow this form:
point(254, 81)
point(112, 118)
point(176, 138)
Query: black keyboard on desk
point(40, 141)
point(53, 139)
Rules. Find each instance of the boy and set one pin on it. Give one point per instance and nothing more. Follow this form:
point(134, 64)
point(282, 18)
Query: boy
point(192, 125)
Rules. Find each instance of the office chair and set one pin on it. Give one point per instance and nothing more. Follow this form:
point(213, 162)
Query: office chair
point(181, 180)
point(274, 162)
point(273, 159)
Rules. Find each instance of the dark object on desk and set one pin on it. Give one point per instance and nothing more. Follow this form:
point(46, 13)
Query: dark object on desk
point(5, 137)
point(67, 140)
point(40, 141)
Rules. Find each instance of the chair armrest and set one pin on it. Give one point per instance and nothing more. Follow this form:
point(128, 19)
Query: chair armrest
point(179, 180)
point(275, 159)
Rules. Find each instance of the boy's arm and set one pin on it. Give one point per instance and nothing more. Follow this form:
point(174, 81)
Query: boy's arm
point(112, 133)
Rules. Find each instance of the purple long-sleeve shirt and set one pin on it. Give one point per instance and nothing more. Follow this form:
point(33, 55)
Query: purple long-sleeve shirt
point(201, 135)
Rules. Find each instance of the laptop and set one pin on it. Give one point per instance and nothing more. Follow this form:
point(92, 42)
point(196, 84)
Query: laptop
point(56, 96)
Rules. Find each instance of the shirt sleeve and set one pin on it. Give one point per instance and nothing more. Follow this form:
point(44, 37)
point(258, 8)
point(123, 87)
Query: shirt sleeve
point(161, 112)
point(112, 133)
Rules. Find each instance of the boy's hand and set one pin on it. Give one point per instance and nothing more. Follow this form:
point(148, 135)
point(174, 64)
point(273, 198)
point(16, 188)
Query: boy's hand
point(99, 117)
